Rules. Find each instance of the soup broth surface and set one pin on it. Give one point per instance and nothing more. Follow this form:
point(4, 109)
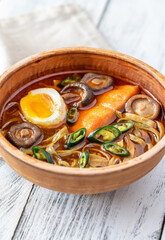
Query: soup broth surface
point(104, 147)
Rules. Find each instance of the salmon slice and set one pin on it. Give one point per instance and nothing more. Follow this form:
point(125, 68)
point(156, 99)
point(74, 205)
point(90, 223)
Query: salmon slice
point(103, 113)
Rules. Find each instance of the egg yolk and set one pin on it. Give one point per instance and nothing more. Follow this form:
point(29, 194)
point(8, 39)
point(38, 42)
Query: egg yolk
point(38, 105)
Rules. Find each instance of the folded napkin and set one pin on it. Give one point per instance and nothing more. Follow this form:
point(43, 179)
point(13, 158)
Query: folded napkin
point(60, 26)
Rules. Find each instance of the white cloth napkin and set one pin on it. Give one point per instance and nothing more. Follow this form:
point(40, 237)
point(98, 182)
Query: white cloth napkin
point(60, 26)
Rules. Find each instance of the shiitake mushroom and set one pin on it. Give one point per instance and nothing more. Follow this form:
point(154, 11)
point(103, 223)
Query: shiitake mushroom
point(87, 95)
point(90, 83)
point(97, 82)
point(143, 105)
point(70, 97)
point(24, 134)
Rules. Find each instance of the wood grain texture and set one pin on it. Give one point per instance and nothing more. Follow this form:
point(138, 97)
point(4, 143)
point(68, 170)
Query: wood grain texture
point(123, 214)
point(135, 28)
point(65, 216)
point(88, 180)
point(130, 27)
point(14, 192)
point(14, 189)
point(163, 233)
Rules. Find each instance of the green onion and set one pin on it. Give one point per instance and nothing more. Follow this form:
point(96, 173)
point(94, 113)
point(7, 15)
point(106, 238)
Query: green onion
point(40, 153)
point(116, 149)
point(70, 79)
point(71, 115)
point(76, 137)
point(104, 134)
point(84, 159)
point(123, 126)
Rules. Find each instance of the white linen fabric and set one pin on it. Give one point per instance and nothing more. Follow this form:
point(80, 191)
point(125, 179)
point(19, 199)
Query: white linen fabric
point(60, 26)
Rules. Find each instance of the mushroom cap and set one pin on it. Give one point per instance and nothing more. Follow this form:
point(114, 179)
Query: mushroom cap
point(87, 93)
point(70, 97)
point(97, 82)
point(24, 134)
point(143, 105)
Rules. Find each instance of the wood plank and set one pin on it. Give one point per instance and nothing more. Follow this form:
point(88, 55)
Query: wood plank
point(133, 212)
point(65, 216)
point(10, 8)
point(137, 29)
point(129, 213)
point(14, 191)
point(162, 235)
point(131, 29)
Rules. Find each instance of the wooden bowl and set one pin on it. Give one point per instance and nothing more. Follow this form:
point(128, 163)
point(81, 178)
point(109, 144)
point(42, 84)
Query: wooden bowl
point(75, 180)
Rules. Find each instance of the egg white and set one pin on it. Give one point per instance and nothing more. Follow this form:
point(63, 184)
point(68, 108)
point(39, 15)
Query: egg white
point(59, 109)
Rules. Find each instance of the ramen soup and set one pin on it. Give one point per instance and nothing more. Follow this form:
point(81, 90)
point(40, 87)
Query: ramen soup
point(82, 120)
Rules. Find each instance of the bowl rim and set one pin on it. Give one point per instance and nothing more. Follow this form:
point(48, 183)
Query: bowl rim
point(90, 172)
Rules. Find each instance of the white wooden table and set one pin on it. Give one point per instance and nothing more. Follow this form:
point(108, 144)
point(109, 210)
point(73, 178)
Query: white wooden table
point(136, 211)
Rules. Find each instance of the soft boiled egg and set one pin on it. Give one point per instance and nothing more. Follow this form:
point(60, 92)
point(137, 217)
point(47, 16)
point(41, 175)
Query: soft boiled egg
point(44, 107)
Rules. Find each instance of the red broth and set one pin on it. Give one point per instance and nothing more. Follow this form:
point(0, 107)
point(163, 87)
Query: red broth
point(70, 157)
